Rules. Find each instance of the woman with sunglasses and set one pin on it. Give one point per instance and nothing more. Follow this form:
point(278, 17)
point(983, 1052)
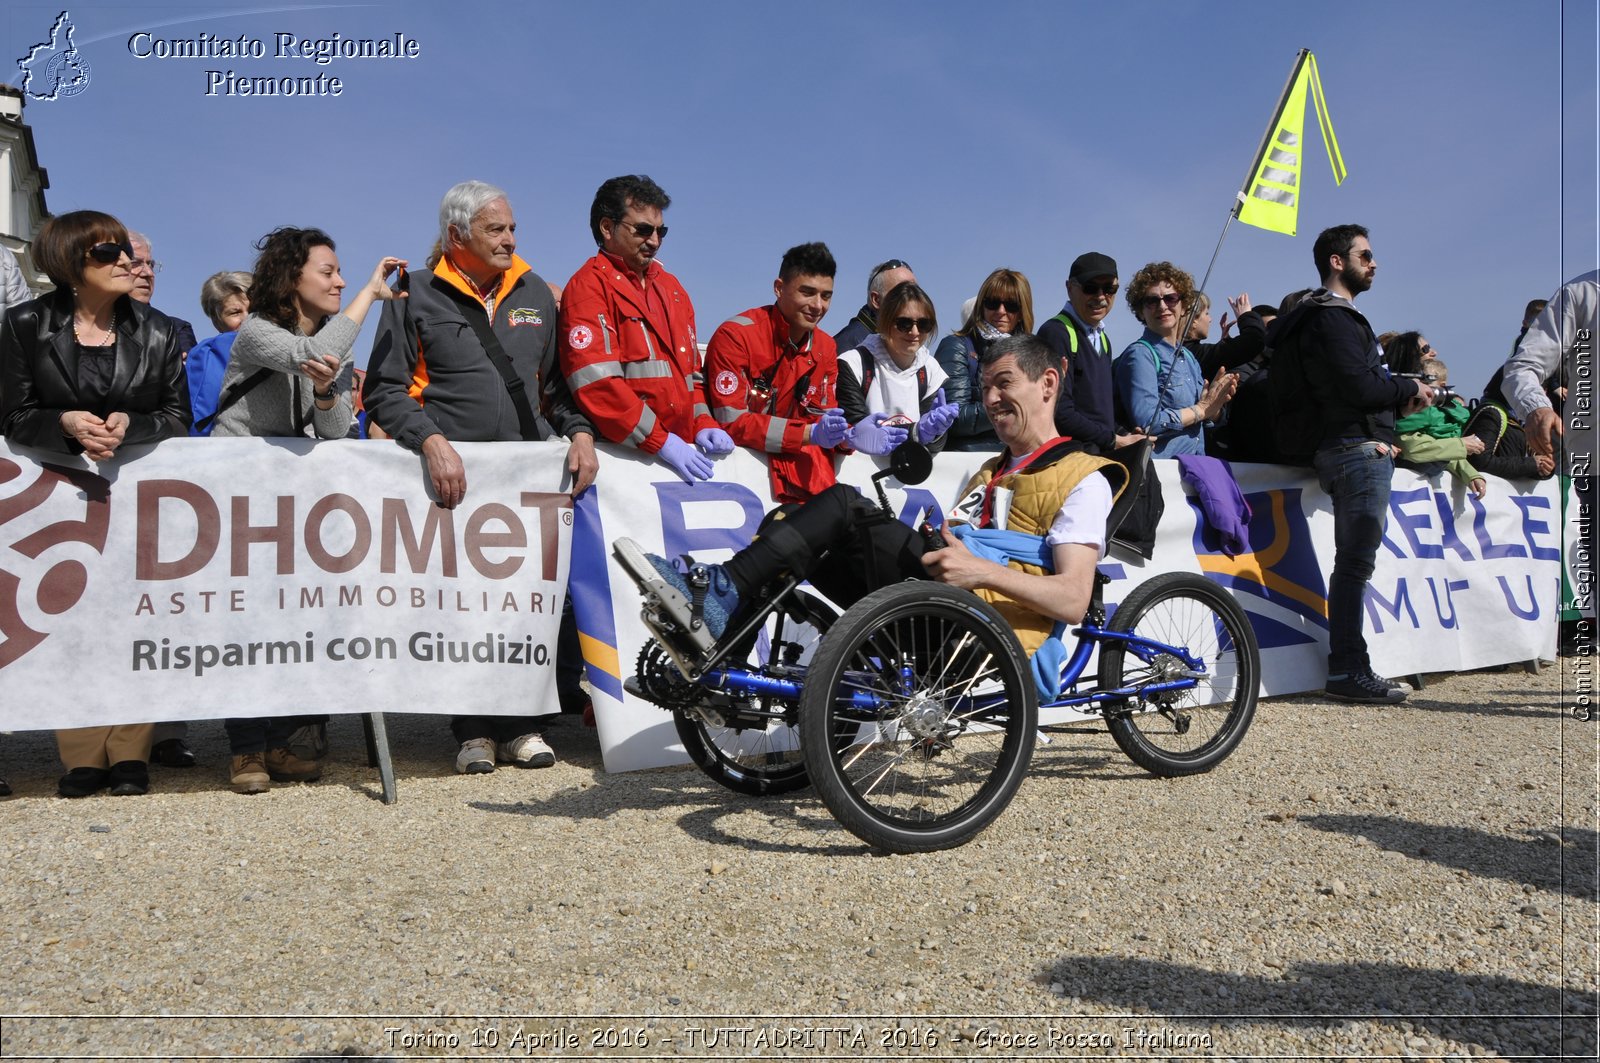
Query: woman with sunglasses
point(1161, 389)
point(890, 387)
point(1004, 307)
point(290, 370)
point(89, 370)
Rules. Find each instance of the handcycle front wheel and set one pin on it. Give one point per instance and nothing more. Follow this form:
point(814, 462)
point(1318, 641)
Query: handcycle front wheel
point(1181, 732)
point(918, 717)
point(762, 761)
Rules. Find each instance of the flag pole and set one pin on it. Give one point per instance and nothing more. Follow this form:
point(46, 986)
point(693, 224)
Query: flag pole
point(1238, 197)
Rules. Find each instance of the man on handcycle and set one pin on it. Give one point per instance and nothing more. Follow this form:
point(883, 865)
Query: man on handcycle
point(1025, 536)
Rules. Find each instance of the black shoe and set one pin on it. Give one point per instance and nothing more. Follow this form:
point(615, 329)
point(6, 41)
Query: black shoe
point(81, 782)
point(172, 753)
point(5, 788)
point(1364, 687)
point(129, 778)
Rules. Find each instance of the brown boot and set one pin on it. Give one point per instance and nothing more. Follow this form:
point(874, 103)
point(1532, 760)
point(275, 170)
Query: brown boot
point(284, 766)
point(249, 774)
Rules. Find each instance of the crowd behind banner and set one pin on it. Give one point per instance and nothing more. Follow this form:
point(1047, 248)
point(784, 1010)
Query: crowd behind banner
point(475, 351)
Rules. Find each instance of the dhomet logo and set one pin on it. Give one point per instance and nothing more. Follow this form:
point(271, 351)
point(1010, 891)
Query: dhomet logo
point(39, 576)
point(54, 68)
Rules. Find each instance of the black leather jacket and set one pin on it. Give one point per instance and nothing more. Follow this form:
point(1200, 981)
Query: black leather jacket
point(39, 373)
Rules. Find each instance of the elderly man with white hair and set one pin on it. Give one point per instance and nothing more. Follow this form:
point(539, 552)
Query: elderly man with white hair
point(431, 381)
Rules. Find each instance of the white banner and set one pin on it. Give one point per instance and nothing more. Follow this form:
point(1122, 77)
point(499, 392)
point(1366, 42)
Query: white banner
point(238, 577)
point(252, 577)
point(1459, 583)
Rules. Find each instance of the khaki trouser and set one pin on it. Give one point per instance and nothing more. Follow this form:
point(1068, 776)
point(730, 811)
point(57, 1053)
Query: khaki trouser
point(101, 747)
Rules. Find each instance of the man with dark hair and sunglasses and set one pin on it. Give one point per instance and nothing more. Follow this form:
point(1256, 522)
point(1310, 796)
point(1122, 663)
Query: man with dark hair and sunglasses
point(884, 276)
point(1325, 348)
point(1086, 405)
point(628, 345)
point(771, 376)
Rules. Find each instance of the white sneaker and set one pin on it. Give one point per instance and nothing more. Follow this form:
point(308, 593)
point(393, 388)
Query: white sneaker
point(476, 757)
point(529, 751)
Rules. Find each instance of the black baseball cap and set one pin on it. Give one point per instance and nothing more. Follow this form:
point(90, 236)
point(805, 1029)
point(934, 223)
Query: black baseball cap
point(1092, 264)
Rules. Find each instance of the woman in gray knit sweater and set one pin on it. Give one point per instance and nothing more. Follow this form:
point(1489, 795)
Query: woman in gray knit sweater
point(289, 374)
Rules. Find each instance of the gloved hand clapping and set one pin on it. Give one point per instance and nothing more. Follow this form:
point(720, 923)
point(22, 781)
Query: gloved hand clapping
point(872, 436)
point(714, 441)
point(830, 429)
point(685, 460)
point(937, 421)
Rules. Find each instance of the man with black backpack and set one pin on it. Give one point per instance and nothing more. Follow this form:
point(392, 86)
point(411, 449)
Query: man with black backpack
point(1334, 406)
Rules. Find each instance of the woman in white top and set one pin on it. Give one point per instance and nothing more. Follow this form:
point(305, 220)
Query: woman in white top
point(893, 375)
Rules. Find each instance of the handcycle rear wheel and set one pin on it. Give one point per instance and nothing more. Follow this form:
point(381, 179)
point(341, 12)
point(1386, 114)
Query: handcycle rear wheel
point(918, 717)
point(756, 761)
point(1182, 732)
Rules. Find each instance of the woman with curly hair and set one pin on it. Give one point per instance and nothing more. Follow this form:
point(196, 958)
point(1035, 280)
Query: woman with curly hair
point(289, 373)
point(1161, 389)
point(1004, 306)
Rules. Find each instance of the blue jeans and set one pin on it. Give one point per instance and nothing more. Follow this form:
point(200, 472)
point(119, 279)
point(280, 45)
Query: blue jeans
point(1357, 477)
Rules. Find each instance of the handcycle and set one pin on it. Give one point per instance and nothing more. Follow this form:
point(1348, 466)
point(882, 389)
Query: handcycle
point(914, 712)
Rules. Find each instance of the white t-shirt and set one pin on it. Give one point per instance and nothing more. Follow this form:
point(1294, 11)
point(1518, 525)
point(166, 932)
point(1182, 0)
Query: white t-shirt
point(1082, 517)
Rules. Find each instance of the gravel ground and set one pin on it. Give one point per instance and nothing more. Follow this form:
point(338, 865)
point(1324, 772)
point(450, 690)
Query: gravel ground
point(1353, 882)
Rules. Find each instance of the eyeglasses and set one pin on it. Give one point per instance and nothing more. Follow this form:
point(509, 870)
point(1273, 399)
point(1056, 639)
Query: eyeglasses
point(1170, 301)
point(884, 267)
point(147, 263)
point(914, 324)
point(644, 230)
point(1011, 306)
point(108, 253)
point(1101, 288)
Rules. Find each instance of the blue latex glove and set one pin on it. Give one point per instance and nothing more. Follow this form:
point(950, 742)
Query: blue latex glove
point(714, 441)
point(937, 421)
point(872, 436)
point(685, 460)
point(829, 430)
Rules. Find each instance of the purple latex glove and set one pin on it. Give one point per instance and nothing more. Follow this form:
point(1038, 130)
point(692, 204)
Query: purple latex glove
point(872, 436)
point(937, 421)
point(829, 430)
point(685, 460)
point(714, 441)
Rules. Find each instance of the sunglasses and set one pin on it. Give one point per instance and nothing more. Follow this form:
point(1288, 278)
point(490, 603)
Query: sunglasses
point(644, 231)
point(109, 253)
point(914, 324)
point(1170, 301)
point(885, 267)
point(1427, 349)
point(1365, 256)
point(1011, 306)
point(1101, 288)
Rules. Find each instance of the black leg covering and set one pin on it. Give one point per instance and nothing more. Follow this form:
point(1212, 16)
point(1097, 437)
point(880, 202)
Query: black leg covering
point(864, 549)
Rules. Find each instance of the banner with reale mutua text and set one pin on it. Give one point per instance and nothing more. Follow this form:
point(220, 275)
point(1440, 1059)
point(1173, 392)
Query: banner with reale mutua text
point(252, 577)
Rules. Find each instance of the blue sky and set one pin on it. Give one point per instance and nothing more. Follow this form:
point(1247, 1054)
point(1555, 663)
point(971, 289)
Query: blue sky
point(958, 136)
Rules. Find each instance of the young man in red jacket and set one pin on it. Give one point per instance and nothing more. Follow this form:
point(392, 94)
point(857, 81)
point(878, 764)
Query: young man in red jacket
point(770, 376)
point(628, 345)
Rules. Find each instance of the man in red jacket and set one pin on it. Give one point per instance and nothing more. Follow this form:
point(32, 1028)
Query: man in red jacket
point(627, 336)
point(771, 373)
